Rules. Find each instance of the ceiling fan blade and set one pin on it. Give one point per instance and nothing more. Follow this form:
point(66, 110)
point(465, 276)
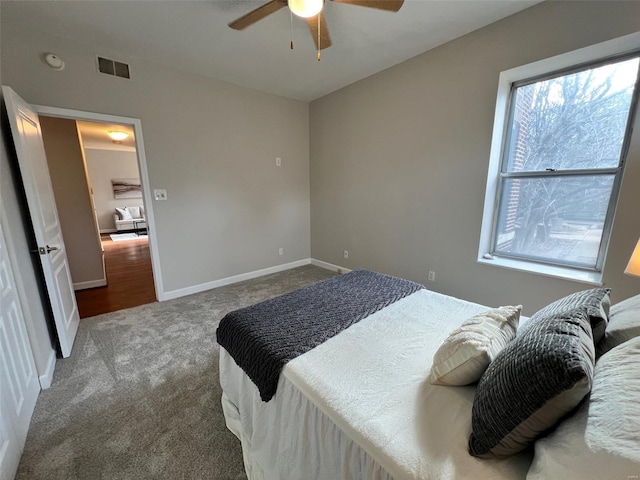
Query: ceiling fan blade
point(258, 14)
point(390, 5)
point(325, 40)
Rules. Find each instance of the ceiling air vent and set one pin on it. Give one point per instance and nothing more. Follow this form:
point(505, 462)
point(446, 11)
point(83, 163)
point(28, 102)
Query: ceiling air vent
point(112, 67)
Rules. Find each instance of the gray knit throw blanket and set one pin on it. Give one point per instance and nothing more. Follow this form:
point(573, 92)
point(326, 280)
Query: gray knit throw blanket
point(264, 337)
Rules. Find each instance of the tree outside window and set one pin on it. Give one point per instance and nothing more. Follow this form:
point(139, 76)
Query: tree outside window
point(562, 164)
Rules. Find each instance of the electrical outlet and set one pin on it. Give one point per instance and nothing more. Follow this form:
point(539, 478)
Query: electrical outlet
point(432, 276)
point(281, 251)
point(346, 254)
point(160, 194)
point(278, 162)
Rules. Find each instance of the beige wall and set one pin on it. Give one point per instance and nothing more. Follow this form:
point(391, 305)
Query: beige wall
point(71, 191)
point(211, 145)
point(104, 165)
point(19, 238)
point(399, 160)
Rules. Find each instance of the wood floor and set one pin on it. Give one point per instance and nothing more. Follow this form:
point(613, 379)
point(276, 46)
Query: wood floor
point(129, 277)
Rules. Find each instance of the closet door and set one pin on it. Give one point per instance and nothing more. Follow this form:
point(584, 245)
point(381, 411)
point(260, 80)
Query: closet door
point(19, 385)
point(9, 448)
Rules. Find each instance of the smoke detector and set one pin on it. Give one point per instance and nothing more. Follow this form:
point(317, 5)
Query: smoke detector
point(54, 61)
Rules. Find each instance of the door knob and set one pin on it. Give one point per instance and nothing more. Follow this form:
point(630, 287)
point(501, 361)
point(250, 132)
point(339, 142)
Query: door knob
point(44, 250)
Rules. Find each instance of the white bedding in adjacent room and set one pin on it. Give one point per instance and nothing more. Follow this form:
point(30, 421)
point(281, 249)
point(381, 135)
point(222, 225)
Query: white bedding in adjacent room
point(360, 404)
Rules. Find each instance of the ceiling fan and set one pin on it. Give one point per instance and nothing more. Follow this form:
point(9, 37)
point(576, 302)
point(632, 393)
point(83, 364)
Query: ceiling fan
point(311, 11)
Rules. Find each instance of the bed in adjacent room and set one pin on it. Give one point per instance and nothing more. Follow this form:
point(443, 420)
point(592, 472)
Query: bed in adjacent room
point(365, 401)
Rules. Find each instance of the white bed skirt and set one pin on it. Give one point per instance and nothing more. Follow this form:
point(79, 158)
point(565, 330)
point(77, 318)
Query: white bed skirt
point(291, 438)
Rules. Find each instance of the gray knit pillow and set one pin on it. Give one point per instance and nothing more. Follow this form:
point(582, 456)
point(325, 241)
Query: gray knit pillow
point(596, 301)
point(536, 380)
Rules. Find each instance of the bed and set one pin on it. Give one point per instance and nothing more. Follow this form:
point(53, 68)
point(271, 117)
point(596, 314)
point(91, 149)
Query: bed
point(360, 405)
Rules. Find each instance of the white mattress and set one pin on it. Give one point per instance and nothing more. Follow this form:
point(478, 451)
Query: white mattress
point(360, 405)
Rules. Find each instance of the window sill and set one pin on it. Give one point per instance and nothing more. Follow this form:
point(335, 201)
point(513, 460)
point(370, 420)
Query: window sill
point(565, 273)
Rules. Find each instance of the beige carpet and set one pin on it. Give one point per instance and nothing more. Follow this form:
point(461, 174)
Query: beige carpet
point(139, 398)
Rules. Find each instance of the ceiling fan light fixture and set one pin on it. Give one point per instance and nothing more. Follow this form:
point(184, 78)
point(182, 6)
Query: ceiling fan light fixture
point(306, 8)
point(118, 135)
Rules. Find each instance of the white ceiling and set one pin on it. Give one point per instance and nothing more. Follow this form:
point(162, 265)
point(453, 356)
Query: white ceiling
point(194, 36)
point(96, 135)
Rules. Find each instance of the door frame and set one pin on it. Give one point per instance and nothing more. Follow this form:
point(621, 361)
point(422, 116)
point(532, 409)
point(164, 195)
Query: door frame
point(136, 124)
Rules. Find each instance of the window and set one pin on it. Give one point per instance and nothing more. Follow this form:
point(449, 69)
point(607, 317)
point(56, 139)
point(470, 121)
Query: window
point(562, 148)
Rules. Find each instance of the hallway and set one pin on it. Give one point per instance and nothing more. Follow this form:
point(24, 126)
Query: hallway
point(129, 277)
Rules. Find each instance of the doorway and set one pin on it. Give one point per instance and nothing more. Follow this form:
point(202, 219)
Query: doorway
point(115, 180)
point(116, 192)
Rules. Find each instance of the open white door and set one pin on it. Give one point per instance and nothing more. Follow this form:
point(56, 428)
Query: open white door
point(27, 138)
point(19, 385)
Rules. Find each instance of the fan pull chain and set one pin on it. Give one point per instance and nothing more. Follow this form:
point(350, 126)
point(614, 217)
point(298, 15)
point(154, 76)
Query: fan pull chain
point(318, 37)
point(291, 25)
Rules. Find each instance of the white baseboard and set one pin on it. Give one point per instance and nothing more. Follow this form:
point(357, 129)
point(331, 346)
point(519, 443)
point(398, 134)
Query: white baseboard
point(181, 292)
point(47, 377)
point(90, 284)
point(329, 266)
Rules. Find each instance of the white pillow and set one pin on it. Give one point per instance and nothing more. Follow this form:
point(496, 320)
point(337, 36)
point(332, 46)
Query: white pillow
point(123, 213)
point(467, 351)
point(602, 438)
point(134, 211)
point(624, 324)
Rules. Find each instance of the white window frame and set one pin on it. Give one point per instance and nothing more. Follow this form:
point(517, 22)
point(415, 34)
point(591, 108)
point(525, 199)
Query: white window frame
point(611, 48)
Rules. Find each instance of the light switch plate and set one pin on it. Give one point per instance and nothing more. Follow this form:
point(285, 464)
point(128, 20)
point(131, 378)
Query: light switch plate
point(160, 194)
